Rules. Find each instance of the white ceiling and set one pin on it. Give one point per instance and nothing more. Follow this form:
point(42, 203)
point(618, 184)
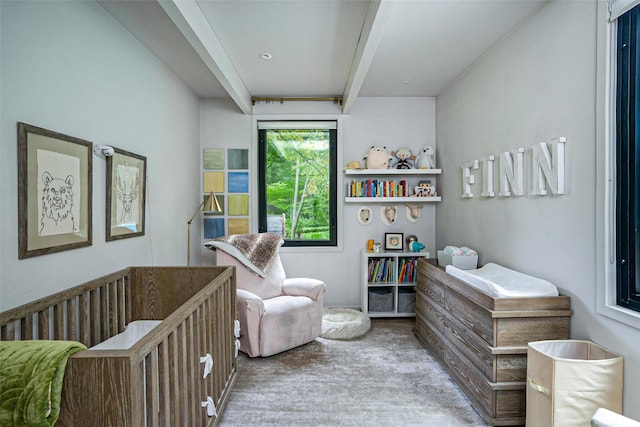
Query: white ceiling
point(320, 48)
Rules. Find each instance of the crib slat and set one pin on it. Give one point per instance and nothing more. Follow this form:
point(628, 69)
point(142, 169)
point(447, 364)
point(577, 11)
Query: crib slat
point(182, 372)
point(43, 325)
point(85, 318)
point(104, 318)
point(201, 390)
point(112, 294)
point(122, 319)
point(151, 390)
point(128, 302)
point(8, 332)
point(174, 374)
point(165, 381)
point(26, 328)
point(58, 321)
point(93, 321)
point(72, 326)
point(190, 357)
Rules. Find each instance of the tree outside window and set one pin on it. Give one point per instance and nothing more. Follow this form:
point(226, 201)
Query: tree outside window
point(297, 183)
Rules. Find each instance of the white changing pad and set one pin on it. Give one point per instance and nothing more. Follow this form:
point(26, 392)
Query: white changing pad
point(127, 338)
point(502, 282)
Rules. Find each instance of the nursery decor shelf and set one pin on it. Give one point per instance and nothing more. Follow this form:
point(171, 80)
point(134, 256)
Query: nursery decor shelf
point(387, 283)
point(390, 186)
point(392, 199)
point(393, 171)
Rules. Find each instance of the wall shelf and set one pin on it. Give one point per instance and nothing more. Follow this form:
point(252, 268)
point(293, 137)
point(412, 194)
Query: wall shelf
point(387, 181)
point(384, 172)
point(392, 199)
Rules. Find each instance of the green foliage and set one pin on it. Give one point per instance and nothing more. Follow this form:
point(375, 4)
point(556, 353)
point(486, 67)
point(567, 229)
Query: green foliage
point(298, 181)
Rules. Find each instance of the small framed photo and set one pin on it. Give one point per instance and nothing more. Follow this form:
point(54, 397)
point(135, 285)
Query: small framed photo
point(393, 241)
point(54, 192)
point(126, 190)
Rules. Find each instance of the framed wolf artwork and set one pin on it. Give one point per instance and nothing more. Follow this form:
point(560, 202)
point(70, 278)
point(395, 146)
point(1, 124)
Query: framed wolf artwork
point(54, 192)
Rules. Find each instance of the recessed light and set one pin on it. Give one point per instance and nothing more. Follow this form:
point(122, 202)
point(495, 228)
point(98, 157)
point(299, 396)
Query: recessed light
point(265, 55)
point(406, 80)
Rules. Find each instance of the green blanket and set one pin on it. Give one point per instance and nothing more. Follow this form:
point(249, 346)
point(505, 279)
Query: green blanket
point(31, 374)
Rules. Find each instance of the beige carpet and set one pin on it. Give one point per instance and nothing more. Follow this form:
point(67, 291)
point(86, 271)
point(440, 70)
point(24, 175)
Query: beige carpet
point(384, 378)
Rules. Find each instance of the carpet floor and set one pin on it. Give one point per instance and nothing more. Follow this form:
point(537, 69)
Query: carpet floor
point(384, 378)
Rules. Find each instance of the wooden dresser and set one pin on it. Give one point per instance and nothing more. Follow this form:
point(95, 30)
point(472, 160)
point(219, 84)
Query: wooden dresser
point(482, 341)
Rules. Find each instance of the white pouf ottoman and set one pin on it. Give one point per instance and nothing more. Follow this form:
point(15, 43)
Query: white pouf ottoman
point(344, 323)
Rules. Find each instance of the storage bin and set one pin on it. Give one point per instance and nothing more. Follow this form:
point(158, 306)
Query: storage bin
point(406, 300)
point(380, 300)
point(463, 262)
point(568, 380)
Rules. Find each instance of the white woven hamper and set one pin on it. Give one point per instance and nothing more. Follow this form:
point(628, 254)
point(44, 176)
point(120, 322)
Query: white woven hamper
point(568, 380)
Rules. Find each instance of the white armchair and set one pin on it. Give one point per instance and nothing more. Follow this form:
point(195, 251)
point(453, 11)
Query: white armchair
point(275, 313)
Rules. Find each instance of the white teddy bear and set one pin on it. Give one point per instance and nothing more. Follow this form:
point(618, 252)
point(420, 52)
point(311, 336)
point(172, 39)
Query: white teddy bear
point(377, 158)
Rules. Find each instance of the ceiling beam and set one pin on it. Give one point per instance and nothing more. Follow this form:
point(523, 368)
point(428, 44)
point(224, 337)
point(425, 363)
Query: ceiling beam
point(191, 22)
point(372, 31)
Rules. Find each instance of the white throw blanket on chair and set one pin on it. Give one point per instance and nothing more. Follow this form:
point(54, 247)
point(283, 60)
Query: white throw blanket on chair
point(255, 251)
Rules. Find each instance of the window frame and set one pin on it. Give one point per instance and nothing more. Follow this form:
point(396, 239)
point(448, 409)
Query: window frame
point(332, 242)
point(605, 295)
point(627, 102)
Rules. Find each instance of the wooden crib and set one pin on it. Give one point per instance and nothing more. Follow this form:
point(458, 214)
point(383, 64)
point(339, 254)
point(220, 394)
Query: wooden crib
point(159, 380)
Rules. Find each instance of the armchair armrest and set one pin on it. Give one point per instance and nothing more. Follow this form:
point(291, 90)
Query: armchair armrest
point(250, 300)
point(304, 287)
point(250, 310)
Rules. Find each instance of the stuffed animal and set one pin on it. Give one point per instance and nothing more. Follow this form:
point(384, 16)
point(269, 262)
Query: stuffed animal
point(424, 189)
point(405, 158)
point(426, 158)
point(416, 246)
point(377, 158)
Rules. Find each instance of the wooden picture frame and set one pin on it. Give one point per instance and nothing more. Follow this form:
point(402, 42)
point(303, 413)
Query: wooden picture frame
point(126, 195)
point(393, 241)
point(54, 192)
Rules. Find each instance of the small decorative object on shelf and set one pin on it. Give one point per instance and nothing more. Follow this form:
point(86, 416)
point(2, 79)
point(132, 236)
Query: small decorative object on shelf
point(404, 158)
point(377, 158)
point(426, 158)
point(393, 241)
point(412, 243)
point(425, 189)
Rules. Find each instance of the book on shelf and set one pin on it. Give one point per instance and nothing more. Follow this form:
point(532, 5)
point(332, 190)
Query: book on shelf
point(377, 188)
point(380, 270)
point(406, 270)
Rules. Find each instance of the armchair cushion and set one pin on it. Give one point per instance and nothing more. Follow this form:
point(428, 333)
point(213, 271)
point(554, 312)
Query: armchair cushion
point(268, 287)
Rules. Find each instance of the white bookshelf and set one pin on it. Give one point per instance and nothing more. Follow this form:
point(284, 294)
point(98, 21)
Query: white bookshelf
point(389, 290)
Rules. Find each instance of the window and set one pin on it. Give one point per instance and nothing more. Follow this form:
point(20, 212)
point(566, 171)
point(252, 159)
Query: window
point(627, 170)
point(297, 181)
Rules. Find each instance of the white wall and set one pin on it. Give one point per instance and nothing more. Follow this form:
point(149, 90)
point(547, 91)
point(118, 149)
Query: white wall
point(71, 68)
point(394, 122)
point(537, 84)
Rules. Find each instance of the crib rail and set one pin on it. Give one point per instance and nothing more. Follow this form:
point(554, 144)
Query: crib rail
point(158, 381)
point(171, 357)
point(89, 313)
